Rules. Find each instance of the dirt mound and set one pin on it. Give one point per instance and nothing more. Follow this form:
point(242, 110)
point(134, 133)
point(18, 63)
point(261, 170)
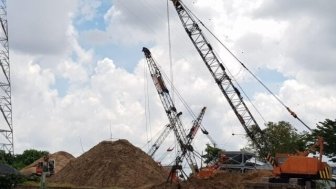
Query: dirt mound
point(117, 164)
point(220, 180)
point(61, 159)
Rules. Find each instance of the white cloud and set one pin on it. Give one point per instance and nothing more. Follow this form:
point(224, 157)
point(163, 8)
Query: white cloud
point(39, 26)
point(87, 9)
point(108, 94)
point(73, 72)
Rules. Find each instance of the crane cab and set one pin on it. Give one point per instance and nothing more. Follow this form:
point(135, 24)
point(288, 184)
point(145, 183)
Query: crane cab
point(296, 166)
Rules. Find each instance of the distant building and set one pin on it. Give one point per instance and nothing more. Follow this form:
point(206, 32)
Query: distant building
point(242, 161)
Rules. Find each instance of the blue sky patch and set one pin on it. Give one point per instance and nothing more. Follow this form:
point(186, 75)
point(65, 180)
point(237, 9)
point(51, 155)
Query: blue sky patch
point(96, 23)
point(61, 85)
point(271, 78)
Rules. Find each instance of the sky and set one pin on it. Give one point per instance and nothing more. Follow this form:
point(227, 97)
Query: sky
point(79, 77)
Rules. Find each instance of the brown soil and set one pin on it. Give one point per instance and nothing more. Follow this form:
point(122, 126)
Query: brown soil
point(112, 164)
point(61, 159)
point(230, 180)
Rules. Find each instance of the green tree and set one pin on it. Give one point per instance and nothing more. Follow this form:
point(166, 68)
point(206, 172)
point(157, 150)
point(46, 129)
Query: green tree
point(212, 154)
point(20, 161)
point(6, 158)
point(28, 157)
point(280, 137)
point(326, 130)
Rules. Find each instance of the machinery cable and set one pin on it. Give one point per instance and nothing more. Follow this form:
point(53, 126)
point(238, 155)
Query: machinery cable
point(170, 52)
point(243, 65)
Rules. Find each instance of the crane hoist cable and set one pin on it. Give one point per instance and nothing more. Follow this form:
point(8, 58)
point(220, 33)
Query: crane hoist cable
point(185, 104)
point(146, 100)
point(170, 52)
point(243, 91)
point(243, 65)
point(172, 113)
point(239, 86)
point(222, 79)
point(165, 132)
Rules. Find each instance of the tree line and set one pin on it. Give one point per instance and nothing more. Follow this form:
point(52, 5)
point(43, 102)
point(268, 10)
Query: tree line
point(20, 161)
point(282, 137)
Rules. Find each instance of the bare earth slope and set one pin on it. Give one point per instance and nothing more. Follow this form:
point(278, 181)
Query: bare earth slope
point(61, 159)
point(221, 180)
point(118, 164)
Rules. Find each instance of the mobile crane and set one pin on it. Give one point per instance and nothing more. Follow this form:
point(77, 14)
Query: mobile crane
point(171, 111)
point(223, 80)
point(288, 165)
point(191, 135)
point(195, 127)
point(159, 140)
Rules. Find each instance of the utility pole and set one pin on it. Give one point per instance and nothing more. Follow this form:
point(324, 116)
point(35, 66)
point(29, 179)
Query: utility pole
point(6, 124)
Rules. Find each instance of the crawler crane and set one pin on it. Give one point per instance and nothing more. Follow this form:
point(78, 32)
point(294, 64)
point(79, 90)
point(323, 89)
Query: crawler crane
point(171, 111)
point(288, 165)
point(195, 127)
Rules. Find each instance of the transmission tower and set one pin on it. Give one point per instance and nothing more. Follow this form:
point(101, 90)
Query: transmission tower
point(6, 126)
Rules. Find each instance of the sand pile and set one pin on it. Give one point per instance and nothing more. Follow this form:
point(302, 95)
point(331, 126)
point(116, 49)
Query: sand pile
point(61, 159)
point(220, 180)
point(117, 164)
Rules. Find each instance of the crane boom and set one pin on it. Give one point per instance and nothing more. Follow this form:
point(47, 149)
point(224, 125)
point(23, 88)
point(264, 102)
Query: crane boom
point(223, 80)
point(196, 125)
point(192, 132)
point(285, 165)
point(159, 140)
point(191, 135)
point(170, 109)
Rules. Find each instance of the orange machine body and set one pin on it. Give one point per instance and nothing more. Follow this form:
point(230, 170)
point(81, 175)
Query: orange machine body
point(289, 165)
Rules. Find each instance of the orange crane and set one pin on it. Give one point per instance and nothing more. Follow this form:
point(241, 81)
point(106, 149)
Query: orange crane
point(300, 165)
point(297, 166)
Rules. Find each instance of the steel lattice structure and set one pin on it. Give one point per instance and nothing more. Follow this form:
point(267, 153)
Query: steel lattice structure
point(160, 140)
point(171, 111)
point(6, 127)
point(218, 72)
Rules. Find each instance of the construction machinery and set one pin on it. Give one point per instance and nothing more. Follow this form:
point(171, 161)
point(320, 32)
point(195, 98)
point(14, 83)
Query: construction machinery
point(159, 140)
point(222, 79)
point(190, 136)
point(47, 167)
point(297, 166)
point(172, 114)
point(184, 140)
